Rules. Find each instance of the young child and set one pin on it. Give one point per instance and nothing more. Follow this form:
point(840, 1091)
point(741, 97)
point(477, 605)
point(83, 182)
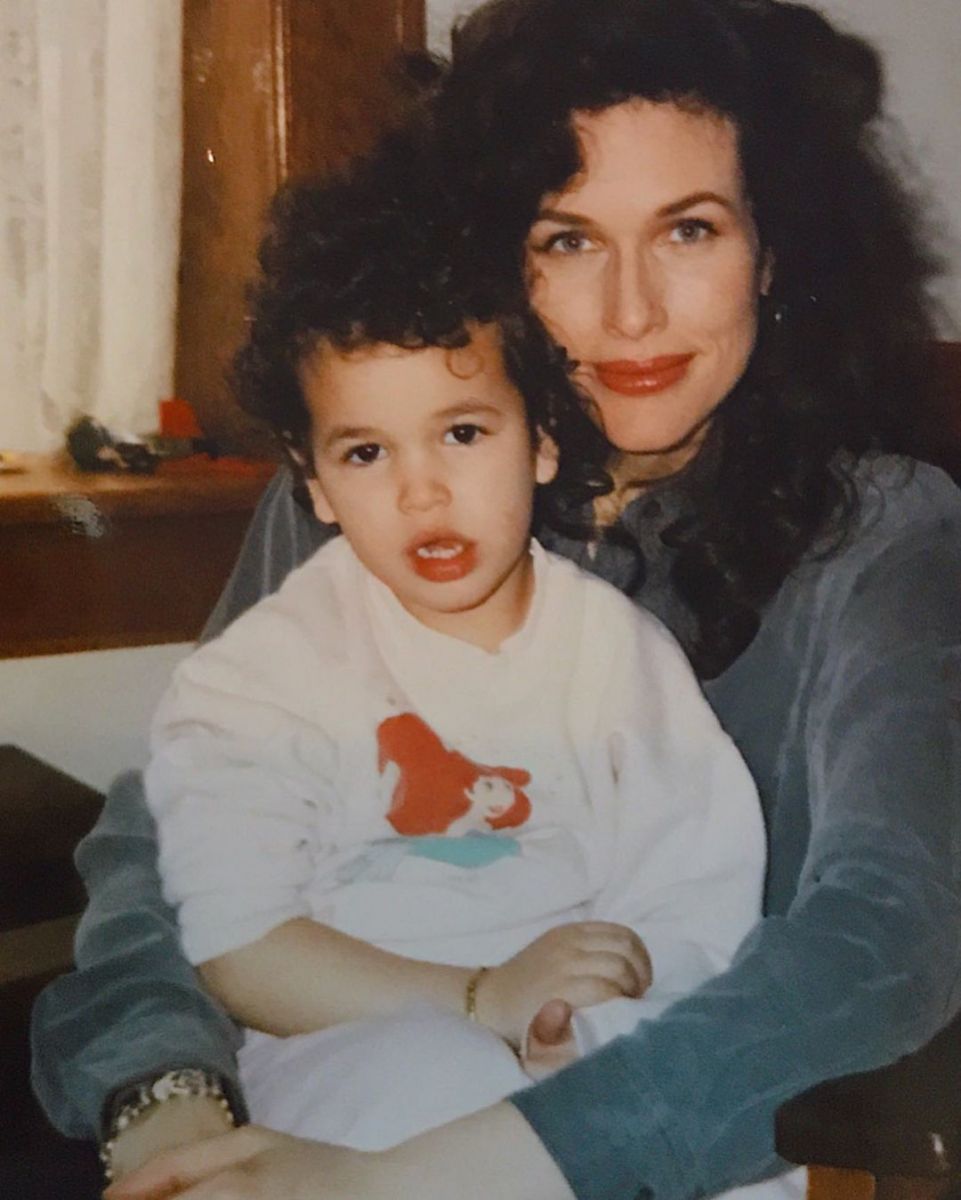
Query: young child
point(441, 777)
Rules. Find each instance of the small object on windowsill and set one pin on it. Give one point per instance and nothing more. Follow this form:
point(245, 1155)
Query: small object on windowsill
point(178, 420)
point(168, 448)
point(11, 463)
point(224, 464)
point(93, 448)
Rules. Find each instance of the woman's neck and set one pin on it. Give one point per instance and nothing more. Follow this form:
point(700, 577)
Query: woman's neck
point(634, 474)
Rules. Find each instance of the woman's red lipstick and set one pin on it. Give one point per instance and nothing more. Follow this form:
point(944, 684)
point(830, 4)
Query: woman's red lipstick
point(630, 378)
point(442, 557)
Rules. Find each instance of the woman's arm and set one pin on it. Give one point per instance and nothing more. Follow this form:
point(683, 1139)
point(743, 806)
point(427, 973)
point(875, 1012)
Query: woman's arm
point(134, 1008)
point(863, 964)
point(493, 1153)
point(281, 536)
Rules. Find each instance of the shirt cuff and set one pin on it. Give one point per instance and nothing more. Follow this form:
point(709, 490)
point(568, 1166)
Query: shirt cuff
point(605, 1129)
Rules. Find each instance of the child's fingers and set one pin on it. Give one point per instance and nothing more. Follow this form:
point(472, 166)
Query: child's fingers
point(619, 941)
point(626, 974)
point(582, 991)
point(549, 1042)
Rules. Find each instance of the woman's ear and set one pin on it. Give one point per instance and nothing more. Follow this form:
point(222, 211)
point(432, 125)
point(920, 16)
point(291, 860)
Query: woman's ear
point(545, 460)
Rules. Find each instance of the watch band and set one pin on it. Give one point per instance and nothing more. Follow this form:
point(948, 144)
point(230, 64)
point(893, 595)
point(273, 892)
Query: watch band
point(130, 1103)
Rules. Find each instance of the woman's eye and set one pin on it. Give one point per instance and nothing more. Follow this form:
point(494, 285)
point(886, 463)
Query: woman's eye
point(691, 230)
point(463, 435)
point(568, 241)
point(364, 455)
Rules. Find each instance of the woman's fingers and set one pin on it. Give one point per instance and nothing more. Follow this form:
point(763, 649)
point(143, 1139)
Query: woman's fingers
point(174, 1171)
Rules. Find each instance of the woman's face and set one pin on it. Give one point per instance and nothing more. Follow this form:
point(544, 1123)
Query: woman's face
point(646, 269)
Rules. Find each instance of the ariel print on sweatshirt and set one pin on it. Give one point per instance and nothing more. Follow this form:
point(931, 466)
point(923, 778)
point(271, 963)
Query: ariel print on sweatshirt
point(443, 806)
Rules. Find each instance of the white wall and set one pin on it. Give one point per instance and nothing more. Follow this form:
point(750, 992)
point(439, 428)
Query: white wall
point(85, 713)
point(922, 47)
point(921, 44)
point(440, 17)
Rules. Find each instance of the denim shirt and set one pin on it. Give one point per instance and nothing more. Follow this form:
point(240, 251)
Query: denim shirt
point(846, 707)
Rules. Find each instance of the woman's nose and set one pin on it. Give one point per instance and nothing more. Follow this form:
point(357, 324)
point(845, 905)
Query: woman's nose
point(633, 302)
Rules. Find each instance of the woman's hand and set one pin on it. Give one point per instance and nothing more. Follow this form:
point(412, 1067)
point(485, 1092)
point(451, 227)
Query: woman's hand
point(243, 1163)
point(454, 1161)
point(178, 1121)
point(582, 964)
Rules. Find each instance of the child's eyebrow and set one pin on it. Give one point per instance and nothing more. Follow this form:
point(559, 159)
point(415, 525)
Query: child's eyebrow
point(350, 433)
point(468, 408)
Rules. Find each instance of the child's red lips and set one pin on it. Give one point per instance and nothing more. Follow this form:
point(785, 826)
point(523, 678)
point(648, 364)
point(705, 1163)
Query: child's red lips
point(442, 557)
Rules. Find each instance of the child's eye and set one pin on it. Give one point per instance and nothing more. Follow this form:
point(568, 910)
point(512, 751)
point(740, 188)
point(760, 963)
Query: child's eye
point(691, 230)
point(463, 435)
point(364, 455)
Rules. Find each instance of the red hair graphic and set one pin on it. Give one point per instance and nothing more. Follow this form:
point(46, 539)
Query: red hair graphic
point(437, 787)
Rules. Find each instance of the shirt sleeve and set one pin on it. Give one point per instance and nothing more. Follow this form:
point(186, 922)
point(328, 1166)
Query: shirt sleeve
point(239, 784)
point(281, 536)
point(689, 838)
point(134, 1007)
point(865, 964)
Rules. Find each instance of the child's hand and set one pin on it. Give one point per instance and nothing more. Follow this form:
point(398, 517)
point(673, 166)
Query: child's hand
point(549, 1043)
point(582, 964)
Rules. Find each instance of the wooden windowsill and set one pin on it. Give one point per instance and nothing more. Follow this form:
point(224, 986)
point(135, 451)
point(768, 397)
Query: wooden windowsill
point(48, 488)
point(105, 561)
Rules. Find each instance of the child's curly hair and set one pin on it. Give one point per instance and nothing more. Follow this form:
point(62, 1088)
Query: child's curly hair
point(378, 254)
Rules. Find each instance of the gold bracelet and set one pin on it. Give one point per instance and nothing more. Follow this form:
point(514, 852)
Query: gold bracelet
point(470, 995)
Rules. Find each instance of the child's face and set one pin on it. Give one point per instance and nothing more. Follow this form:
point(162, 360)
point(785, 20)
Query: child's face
point(425, 460)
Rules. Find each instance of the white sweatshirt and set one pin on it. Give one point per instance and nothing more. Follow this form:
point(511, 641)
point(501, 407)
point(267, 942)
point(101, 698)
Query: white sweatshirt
point(329, 756)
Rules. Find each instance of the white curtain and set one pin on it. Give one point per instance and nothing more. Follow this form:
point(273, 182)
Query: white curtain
point(90, 168)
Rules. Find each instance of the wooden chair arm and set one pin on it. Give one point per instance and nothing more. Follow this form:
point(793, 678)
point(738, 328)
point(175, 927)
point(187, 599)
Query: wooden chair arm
point(900, 1124)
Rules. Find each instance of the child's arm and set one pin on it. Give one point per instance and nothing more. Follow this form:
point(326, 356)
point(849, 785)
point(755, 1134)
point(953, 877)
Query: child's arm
point(303, 975)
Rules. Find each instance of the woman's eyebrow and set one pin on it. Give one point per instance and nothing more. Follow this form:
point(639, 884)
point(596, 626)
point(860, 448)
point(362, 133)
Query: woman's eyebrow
point(561, 218)
point(678, 206)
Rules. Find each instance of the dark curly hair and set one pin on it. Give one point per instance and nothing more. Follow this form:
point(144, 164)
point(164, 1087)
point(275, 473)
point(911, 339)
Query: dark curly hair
point(838, 369)
point(378, 255)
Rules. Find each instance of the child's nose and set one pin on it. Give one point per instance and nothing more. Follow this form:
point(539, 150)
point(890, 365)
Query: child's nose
point(422, 490)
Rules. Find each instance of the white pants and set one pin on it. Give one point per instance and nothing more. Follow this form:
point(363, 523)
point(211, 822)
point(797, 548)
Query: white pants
point(375, 1083)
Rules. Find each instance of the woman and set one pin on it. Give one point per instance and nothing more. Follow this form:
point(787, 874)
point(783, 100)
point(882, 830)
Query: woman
point(710, 231)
